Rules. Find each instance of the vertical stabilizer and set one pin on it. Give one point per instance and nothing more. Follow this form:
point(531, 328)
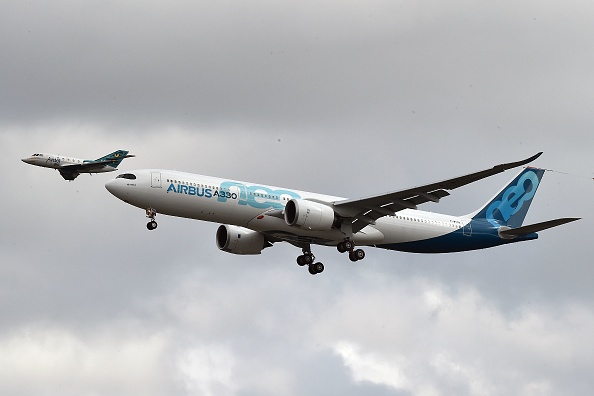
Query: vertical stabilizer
point(114, 159)
point(510, 205)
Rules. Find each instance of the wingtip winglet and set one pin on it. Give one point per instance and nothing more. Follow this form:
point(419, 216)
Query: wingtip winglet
point(529, 160)
point(535, 156)
point(510, 165)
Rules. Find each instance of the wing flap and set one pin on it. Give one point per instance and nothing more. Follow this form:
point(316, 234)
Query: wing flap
point(433, 196)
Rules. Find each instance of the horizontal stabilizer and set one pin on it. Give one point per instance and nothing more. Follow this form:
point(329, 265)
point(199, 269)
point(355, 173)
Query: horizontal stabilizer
point(529, 229)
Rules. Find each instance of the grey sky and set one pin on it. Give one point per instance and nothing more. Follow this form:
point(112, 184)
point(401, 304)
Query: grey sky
point(344, 98)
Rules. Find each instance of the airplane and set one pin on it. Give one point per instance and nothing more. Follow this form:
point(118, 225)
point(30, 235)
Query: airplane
point(70, 167)
point(254, 217)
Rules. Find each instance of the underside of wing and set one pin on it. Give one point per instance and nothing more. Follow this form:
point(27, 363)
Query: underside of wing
point(87, 167)
point(364, 211)
point(69, 173)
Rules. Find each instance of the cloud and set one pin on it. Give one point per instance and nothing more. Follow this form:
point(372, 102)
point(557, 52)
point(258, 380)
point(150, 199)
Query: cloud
point(425, 340)
point(114, 360)
point(275, 65)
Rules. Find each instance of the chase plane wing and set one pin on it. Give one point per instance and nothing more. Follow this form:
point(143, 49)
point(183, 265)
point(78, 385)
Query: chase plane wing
point(71, 171)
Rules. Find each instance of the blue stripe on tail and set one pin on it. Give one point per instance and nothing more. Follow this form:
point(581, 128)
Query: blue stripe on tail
point(510, 205)
point(116, 158)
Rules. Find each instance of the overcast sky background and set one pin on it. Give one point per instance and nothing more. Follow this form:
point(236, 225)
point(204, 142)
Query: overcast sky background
point(345, 98)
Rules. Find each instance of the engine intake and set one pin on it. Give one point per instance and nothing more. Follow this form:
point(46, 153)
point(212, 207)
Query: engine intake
point(239, 240)
point(309, 215)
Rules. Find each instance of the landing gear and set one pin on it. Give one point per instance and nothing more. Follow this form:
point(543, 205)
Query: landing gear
point(356, 255)
point(316, 268)
point(151, 213)
point(348, 246)
point(345, 246)
point(307, 258)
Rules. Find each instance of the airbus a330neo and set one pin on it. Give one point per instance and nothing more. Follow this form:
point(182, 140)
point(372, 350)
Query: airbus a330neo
point(70, 167)
point(254, 216)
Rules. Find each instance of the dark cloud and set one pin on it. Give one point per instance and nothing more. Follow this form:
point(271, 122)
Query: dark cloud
point(268, 64)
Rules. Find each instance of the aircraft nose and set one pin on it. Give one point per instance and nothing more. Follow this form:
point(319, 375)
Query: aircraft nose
point(26, 160)
point(113, 187)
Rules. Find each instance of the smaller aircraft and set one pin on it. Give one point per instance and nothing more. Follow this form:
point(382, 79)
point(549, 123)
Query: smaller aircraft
point(70, 167)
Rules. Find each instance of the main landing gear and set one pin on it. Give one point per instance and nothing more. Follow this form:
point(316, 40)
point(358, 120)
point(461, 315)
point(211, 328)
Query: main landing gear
point(151, 213)
point(348, 246)
point(307, 258)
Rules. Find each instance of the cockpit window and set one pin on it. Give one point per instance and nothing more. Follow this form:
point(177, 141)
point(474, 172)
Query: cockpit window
point(128, 176)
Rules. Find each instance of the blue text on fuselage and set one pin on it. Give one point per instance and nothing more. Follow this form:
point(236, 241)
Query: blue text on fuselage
point(190, 190)
point(259, 197)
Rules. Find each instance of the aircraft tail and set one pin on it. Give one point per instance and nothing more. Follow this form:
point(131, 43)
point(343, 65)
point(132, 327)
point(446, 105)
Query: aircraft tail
point(510, 233)
point(509, 207)
point(114, 159)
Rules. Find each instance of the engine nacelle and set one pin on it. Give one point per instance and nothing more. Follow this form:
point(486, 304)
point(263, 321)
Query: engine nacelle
point(309, 215)
point(239, 240)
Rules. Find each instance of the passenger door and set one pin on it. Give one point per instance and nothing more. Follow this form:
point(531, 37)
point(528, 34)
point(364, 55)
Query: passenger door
point(156, 179)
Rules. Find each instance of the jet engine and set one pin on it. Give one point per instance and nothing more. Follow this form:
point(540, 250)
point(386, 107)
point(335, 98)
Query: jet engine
point(309, 215)
point(239, 240)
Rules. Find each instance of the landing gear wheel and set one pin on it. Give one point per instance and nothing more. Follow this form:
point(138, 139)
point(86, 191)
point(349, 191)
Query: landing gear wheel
point(357, 255)
point(305, 259)
point(316, 268)
point(348, 245)
point(319, 267)
point(151, 213)
point(308, 258)
point(340, 247)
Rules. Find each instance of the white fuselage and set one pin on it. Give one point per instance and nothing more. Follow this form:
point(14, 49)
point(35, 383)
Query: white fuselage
point(258, 207)
point(57, 161)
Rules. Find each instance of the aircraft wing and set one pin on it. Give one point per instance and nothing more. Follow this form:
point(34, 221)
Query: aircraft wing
point(364, 211)
point(70, 172)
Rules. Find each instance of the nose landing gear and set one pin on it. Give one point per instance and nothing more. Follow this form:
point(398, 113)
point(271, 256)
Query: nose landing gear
point(151, 213)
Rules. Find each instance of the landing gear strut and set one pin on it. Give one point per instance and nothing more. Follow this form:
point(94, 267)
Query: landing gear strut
point(307, 258)
point(151, 213)
point(348, 246)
